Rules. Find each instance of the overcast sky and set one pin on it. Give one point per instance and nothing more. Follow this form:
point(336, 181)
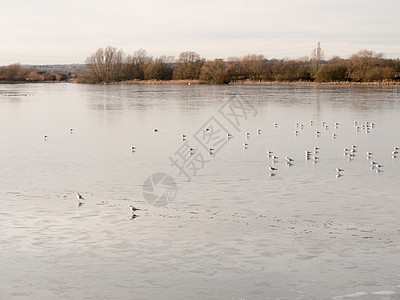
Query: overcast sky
point(49, 31)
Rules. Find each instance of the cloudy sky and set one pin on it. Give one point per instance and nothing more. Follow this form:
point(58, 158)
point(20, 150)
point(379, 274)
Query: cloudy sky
point(49, 32)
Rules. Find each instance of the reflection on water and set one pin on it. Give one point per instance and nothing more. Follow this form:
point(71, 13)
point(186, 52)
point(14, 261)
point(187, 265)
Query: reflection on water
point(232, 231)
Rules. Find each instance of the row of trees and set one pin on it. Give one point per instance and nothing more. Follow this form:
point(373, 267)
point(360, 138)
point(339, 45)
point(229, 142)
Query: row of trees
point(112, 65)
point(109, 64)
point(18, 73)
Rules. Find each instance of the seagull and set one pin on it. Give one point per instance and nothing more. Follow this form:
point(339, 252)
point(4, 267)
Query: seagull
point(334, 135)
point(133, 209)
point(247, 134)
point(191, 150)
point(133, 149)
point(155, 130)
point(311, 122)
point(71, 130)
point(350, 156)
point(228, 135)
point(45, 137)
point(378, 168)
point(269, 153)
point(80, 198)
point(289, 161)
point(369, 154)
point(307, 153)
point(316, 149)
point(317, 133)
point(396, 148)
point(275, 125)
point(338, 174)
point(183, 137)
point(258, 131)
point(394, 154)
point(206, 129)
point(272, 169)
point(245, 145)
point(210, 150)
point(315, 159)
point(274, 158)
point(296, 132)
point(373, 164)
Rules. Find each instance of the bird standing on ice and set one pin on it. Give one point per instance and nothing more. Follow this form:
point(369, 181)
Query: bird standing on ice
point(133, 210)
point(272, 170)
point(80, 198)
point(338, 172)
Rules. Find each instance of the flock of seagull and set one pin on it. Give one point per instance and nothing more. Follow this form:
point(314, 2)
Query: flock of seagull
point(349, 152)
point(309, 155)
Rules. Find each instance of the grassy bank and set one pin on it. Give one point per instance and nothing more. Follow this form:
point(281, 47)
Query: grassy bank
point(254, 82)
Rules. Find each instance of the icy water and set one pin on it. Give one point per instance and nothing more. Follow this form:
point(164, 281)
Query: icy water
point(234, 230)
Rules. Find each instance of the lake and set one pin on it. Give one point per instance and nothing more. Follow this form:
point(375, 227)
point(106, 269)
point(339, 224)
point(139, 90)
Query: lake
point(212, 224)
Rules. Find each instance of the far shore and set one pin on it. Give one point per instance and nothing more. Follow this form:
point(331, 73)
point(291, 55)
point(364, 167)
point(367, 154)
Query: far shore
point(255, 82)
point(239, 82)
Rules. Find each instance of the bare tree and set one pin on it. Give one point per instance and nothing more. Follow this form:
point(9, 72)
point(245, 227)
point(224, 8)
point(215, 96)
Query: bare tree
point(215, 72)
point(188, 66)
point(251, 66)
point(136, 64)
point(160, 68)
point(104, 65)
point(363, 65)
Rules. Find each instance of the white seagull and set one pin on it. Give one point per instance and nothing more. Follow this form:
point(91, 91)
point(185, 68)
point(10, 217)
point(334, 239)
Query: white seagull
point(272, 169)
point(338, 172)
point(133, 209)
point(80, 198)
point(289, 161)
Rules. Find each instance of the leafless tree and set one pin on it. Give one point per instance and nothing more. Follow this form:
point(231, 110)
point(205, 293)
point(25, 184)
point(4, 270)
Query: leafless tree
point(104, 65)
point(188, 66)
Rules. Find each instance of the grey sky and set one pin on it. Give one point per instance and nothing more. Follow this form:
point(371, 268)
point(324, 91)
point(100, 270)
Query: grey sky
point(48, 31)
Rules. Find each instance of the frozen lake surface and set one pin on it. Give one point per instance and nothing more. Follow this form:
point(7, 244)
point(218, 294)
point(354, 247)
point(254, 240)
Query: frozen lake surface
point(229, 229)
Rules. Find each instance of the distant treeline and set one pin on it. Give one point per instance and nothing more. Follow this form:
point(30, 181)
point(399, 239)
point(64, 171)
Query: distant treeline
point(20, 73)
point(109, 65)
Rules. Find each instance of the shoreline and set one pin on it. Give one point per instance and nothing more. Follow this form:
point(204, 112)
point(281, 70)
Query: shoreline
point(198, 82)
point(256, 82)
